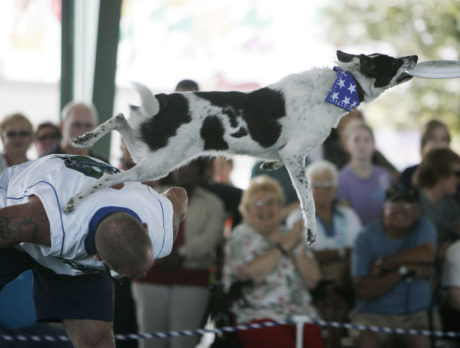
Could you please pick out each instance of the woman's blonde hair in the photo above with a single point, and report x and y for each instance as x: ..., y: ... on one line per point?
x: 7, y: 120
x: 261, y: 183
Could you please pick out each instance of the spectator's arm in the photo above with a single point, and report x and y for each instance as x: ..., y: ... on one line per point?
x: 422, y: 254
x: 308, y: 269
x: 24, y: 223
x: 259, y: 268
x: 372, y: 286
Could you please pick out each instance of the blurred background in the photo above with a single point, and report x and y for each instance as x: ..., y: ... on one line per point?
x: 54, y: 51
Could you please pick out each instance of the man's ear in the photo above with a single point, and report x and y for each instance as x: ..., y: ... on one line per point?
x: 97, y: 257
x: 344, y: 57
x: 146, y: 226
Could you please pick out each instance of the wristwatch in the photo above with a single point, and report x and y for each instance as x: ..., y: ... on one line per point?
x: 403, y: 270
x: 281, y: 249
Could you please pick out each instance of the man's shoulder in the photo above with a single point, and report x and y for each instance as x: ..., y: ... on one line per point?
x: 371, y: 230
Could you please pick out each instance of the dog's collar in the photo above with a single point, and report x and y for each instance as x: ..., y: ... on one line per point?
x: 345, y: 93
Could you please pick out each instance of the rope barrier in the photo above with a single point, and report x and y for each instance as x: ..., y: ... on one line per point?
x: 225, y: 329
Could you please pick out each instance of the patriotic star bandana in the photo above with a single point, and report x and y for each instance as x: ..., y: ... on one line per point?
x: 344, y: 92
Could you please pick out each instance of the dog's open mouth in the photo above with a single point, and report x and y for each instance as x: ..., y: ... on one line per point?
x: 403, y: 78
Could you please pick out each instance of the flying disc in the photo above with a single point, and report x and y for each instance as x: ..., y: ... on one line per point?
x: 436, y: 69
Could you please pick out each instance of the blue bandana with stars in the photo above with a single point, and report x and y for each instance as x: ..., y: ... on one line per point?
x: 344, y: 92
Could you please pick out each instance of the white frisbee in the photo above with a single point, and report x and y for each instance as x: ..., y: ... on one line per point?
x: 436, y: 69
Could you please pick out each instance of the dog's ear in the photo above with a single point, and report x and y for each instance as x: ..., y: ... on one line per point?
x: 344, y: 57
x: 368, y: 65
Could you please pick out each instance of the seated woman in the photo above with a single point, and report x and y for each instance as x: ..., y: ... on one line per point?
x: 278, y: 263
x: 338, y: 226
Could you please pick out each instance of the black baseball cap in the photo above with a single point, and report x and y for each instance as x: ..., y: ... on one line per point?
x: 402, y: 192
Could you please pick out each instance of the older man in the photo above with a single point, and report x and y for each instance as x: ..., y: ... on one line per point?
x: 392, y: 264
x: 123, y: 228
x: 76, y: 119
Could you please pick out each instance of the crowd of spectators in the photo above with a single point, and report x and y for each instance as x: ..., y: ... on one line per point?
x: 387, y: 251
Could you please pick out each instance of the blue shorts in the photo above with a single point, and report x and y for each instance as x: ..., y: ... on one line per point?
x: 58, y: 296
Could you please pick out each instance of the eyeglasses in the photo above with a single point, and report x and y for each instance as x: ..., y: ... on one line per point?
x: 268, y: 203
x: 14, y: 134
x: 324, y: 184
x: 45, y: 137
x: 456, y: 173
x: 78, y: 124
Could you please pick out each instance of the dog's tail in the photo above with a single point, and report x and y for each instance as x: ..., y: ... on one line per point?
x: 149, y: 102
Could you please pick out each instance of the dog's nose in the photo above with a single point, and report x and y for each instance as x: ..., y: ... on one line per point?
x: 412, y: 59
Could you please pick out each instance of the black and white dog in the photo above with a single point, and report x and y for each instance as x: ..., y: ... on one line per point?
x: 280, y: 123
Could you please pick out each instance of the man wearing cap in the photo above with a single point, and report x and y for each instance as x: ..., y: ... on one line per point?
x: 392, y: 264
x: 121, y: 229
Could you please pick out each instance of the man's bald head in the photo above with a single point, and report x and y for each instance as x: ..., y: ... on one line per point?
x: 124, y: 245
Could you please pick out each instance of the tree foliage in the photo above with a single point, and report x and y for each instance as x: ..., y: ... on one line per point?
x: 428, y: 28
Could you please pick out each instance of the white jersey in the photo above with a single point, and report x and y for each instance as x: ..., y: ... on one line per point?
x: 56, y: 178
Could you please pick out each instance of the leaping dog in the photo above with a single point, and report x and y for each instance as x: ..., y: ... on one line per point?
x: 280, y: 123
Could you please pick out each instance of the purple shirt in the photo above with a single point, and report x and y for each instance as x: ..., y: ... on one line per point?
x: 365, y: 196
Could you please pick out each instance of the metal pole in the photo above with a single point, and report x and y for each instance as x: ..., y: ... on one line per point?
x: 300, y: 321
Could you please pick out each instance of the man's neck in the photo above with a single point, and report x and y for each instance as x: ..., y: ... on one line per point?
x: 395, y: 232
x: 15, y: 159
x: 324, y: 212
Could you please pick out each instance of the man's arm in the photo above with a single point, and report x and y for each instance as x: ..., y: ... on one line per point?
x: 24, y: 223
x: 420, y: 254
x: 373, y: 286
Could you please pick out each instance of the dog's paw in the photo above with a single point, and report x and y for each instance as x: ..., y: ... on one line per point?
x: 84, y: 140
x: 311, y: 236
x: 70, y: 206
x: 267, y: 166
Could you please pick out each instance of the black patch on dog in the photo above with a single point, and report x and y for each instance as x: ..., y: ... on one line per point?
x: 232, y: 116
x: 260, y: 109
x: 240, y: 133
x: 174, y: 112
x: 212, y: 133
x: 381, y: 67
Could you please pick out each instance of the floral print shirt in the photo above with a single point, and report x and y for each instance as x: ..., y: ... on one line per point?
x: 282, y: 294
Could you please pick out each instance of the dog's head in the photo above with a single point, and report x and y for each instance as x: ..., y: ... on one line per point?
x: 376, y: 72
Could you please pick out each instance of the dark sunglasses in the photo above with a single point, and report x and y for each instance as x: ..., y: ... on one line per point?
x: 13, y: 134
x: 45, y: 137
x: 456, y: 173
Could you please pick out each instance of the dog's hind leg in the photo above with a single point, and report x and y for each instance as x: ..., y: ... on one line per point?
x: 137, y: 173
x: 296, y: 169
x: 117, y: 122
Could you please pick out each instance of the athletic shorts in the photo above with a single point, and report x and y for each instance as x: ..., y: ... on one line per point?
x: 58, y: 296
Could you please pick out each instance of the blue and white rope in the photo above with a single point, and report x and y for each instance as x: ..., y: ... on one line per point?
x: 124, y: 337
